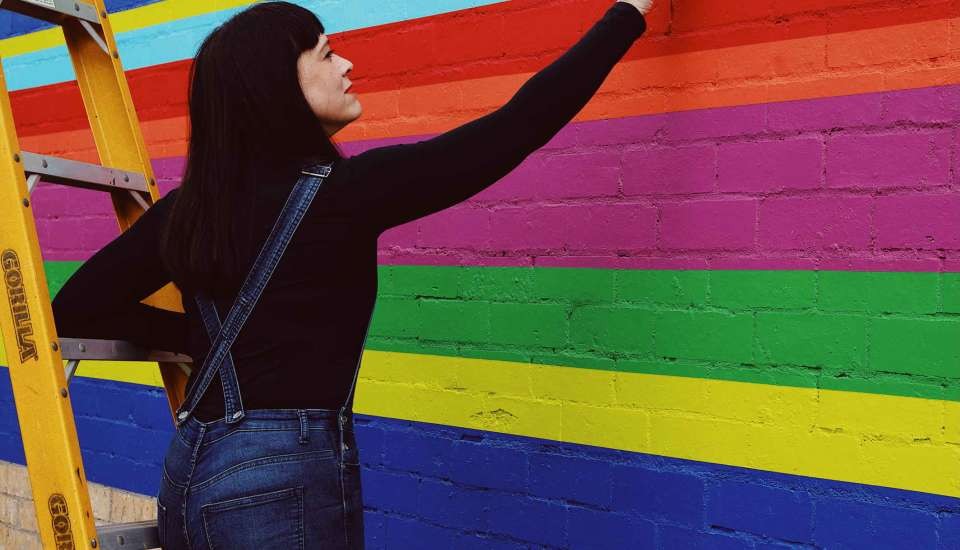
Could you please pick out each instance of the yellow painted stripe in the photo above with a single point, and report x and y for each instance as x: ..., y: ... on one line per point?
x: 891, y: 441
x: 900, y: 442
x: 147, y: 374
x: 127, y: 20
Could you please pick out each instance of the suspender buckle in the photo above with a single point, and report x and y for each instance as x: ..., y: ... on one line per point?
x: 235, y: 417
x: 325, y: 171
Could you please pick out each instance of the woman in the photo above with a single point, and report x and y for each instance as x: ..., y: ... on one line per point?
x: 274, y: 232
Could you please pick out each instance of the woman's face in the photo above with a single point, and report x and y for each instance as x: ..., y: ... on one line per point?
x: 322, y: 75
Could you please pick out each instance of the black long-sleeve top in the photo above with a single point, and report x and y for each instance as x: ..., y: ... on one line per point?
x: 301, y: 343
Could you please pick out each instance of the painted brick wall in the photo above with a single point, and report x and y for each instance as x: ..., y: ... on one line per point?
x: 719, y: 310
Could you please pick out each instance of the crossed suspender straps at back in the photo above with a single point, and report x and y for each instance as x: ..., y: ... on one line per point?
x: 219, y: 359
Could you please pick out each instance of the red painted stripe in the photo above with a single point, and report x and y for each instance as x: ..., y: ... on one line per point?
x: 495, y: 41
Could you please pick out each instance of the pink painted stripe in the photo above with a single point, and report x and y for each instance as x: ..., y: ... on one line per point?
x: 867, y: 183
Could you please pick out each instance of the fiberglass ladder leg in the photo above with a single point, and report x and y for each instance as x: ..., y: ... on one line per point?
x: 34, y: 352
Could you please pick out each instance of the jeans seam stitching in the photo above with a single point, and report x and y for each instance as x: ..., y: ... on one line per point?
x: 264, y: 461
x: 186, y: 493
x: 248, y: 430
x: 166, y: 476
x: 300, y: 528
x: 279, y: 494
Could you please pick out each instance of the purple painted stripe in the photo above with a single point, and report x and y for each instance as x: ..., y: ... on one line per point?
x: 866, y: 182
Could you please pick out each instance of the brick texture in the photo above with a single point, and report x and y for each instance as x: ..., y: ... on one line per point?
x: 18, y: 522
x: 778, y: 135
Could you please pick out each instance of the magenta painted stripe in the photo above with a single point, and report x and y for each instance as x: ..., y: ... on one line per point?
x: 867, y: 182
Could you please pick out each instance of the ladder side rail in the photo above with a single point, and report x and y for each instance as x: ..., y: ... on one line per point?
x: 47, y: 428
x: 119, y: 140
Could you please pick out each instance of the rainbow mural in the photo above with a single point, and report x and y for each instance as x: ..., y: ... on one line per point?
x: 721, y: 309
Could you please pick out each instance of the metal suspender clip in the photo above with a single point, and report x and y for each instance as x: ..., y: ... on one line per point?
x: 326, y: 172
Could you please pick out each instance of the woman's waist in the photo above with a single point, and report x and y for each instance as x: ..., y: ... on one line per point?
x: 267, y: 420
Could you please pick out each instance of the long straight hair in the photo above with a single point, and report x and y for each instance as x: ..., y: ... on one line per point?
x: 250, y: 125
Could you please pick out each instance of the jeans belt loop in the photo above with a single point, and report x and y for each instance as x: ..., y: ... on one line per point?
x: 304, y: 426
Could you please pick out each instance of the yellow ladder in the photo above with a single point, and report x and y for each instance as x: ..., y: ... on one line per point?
x: 35, y: 354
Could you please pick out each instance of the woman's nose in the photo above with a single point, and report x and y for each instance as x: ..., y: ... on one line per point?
x: 348, y: 67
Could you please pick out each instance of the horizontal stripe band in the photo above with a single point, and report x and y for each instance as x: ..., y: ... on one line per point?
x: 124, y: 20
x: 451, y: 480
x: 880, y: 333
x: 887, y: 441
x: 787, y: 430
x: 13, y: 24
x: 436, y: 100
x: 776, y: 51
x: 164, y: 42
x: 888, y: 333
x: 796, y: 190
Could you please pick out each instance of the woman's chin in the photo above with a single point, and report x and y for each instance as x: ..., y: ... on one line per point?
x: 357, y: 109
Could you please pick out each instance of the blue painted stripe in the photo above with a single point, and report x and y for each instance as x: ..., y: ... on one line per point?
x: 180, y: 39
x: 443, y: 487
x: 14, y: 24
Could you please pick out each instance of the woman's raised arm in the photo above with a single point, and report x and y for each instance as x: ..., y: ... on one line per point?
x: 396, y: 184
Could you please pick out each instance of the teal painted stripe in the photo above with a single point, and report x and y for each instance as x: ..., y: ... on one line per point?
x: 180, y: 39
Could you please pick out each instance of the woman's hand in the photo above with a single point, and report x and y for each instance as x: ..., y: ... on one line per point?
x: 643, y: 5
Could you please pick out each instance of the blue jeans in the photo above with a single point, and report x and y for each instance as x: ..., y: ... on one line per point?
x: 278, y: 479
x: 260, y: 479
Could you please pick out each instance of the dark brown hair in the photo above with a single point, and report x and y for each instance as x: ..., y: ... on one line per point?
x: 249, y: 125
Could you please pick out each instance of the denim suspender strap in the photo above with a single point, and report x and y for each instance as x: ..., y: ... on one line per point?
x: 232, y: 402
x: 347, y: 407
x: 217, y: 358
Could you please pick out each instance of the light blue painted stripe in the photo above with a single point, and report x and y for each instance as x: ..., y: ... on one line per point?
x: 180, y: 39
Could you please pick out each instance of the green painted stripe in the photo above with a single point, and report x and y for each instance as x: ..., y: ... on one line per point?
x: 884, y: 333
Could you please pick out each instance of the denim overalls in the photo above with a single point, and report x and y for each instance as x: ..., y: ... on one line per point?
x: 282, y: 479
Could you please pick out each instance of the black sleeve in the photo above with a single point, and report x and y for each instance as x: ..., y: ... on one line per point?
x: 102, y: 299
x: 396, y: 184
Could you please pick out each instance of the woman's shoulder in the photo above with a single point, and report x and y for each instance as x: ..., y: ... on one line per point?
x: 170, y: 196
x: 157, y: 214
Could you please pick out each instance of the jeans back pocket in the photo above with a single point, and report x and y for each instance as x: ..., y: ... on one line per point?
x: 265, y: 521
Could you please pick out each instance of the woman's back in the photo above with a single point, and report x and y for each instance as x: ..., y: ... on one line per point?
x: 303, y: 339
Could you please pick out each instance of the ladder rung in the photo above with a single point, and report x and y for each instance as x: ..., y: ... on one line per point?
x: 53, y: 11
x: 141, y: 535
x: 115, y: 350
x: 82, y: 174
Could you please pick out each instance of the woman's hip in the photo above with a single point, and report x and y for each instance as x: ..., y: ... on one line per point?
x: 277, y: 479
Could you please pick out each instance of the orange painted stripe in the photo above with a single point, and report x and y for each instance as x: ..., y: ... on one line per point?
x: 639, y: 87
